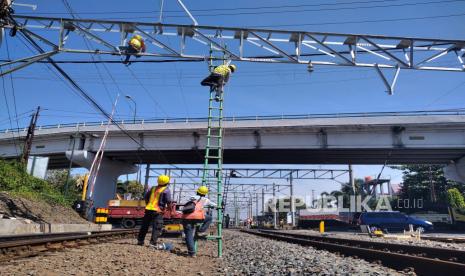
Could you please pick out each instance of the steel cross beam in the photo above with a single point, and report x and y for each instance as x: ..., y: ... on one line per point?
x: 262, y: 173
x: 265, y: 45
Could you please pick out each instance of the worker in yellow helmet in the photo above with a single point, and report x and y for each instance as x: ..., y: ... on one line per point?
x: 218, y: 78
x: 199, y: 214
x: 156, y: 200
x: 136, y: 45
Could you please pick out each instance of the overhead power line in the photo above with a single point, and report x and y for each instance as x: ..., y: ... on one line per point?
x: 338, y: 4
x: 361, y: 21
x: 260, y: 12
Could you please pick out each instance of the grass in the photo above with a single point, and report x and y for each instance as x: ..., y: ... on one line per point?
x: 15, y: 180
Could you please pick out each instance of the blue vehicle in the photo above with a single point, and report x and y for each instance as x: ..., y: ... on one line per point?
x: 393, y: 221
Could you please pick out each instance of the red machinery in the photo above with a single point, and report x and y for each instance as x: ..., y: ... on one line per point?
x: 128, y: 213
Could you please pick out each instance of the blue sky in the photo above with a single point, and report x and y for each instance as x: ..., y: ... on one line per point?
x: 256, y: 89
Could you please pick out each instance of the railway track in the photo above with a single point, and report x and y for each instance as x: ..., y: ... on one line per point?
x: 19, y: 246
x: 423, y: 260
x: 444, y: 239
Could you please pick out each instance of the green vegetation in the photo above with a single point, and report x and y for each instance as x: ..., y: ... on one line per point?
x: 427, y: 182
x: 455, y: 198
x: 15, y: 180
x: 132, y: 186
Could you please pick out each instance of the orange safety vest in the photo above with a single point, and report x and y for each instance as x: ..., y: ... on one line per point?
x: 198, y: 214
x: 155, y: 194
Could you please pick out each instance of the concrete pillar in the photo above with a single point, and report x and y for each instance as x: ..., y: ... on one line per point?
x: 105, y: 184
x: 292, y: 200
x: 456, y: 171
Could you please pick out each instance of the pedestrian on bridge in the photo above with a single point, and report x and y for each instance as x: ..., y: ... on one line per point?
x: 156, y: 200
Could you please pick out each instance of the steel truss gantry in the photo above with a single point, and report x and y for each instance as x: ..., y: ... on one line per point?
x: 262, y: 173
x: 246, y: 183
x: 192, y: 43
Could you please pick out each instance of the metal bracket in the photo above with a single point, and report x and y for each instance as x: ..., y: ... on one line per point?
x: 188, y: 12
x: 27, y: 61
x: 389, y: 86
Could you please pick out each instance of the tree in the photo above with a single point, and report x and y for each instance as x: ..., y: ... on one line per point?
x: 358, y: 183
x: 426, y: 182
x: 57, y: 179
x: 455, y: 198
x: 133, y: 187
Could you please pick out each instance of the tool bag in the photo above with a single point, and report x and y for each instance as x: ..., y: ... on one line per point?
x: 195, y: 211
x: 189, y: 207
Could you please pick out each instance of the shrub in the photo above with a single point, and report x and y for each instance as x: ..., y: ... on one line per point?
x: 15, y: 180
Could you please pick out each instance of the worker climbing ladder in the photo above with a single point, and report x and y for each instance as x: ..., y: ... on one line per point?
x: 213, y: 164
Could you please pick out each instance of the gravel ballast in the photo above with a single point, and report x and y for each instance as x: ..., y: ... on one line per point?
x: 354, y: 236
x: 121, y: 257
x: 245, y: 254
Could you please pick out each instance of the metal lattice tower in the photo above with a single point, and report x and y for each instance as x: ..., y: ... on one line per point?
x: 213, y: 164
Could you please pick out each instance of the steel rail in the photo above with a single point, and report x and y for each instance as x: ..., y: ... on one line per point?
x: 397, y: 256
x: 32, y: 245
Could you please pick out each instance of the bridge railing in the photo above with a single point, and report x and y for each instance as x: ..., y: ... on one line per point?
x: 247, y: 118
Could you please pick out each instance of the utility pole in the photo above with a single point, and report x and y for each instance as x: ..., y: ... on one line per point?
x: 147, y: 175
x: 174, y: 188
x: 71, y: 161
x: 313, y: 198
x: 352, y: 184
x: 256, y: 207
x: 292, y: 200
x: 29, y: 137
x: 431, y: 184
x: 274, y: 206
x: 236, y: 211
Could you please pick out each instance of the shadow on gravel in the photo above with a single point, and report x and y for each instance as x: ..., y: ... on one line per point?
x: 14, y: 210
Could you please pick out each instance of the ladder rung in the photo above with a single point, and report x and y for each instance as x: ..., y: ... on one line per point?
x: 213, y: 157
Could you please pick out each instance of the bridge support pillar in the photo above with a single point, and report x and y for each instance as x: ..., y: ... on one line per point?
x: 456, y: 171
x: 105, y: 184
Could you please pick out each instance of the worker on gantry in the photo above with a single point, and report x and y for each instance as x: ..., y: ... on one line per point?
x: 218, y: 78
x: 136, y: 45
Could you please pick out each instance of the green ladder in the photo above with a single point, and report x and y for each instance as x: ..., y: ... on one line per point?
x: 213, y: 164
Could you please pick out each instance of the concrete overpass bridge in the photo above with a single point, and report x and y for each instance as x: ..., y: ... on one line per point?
x: 405, y: 138
x: 398, y: 138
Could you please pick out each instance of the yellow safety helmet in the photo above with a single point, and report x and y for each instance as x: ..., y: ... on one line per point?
x: 232, y: 67
x: 163, y: 180
x: 138, y: 37
x: 135, y: 43
x: 202, y: 190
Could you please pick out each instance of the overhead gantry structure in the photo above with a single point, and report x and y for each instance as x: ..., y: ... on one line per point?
x: 243, y: 186
x: 193, y: 42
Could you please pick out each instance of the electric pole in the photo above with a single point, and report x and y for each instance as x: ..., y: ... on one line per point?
x: 29, y: 137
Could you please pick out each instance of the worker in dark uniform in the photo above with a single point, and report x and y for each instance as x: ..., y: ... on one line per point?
x: 226, y: 220
x: 155, y: 202
x: 218, y: 78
